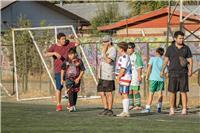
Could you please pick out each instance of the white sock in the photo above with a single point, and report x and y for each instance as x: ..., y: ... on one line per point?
x: 159, y: 105
x: 125, y: 105
x: 147, y: 106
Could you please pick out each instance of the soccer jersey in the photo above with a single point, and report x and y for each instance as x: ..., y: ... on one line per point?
x: 124, y: 63
x: 136, y: 63
x: 62, y: 51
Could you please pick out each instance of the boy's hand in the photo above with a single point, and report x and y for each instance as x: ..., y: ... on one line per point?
x: 189, y: 73
x: 57, y: 55
x: 161, y: 74
x: 139, y: 78
x: 117, y: 79
x: 62, y: 82
x: 77, y: 80
x: 147, y: 78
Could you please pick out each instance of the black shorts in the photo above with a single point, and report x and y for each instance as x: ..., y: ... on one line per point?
x: 178, y: 82
x: 106, y: 85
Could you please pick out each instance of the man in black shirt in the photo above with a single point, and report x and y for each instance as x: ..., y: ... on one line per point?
x: 179, y: 57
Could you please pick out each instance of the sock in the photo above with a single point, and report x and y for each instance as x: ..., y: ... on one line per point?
x: 159, y: 105
x: 147, y: 106
x: 137, y: 99
x: 130, y: 96
x: 125, y: 105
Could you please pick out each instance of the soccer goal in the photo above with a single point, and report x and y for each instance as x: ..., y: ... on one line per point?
x: 33, y: 73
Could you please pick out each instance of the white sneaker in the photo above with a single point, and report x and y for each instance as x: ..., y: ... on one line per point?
x: 145, y: 111
x: 123, y: 114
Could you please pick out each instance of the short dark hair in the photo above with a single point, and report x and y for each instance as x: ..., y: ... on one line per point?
x: 72, y: 51
x: 177, y: 33
x: 131, y: 45
x: 160, y: 51
x: 123, y: 45
x: 59, y: 35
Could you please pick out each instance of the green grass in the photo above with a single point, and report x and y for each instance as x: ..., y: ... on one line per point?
x: 33, y: 118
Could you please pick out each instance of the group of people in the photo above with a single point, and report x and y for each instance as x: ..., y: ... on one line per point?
x: 123, y: 64
x: 127, y: 72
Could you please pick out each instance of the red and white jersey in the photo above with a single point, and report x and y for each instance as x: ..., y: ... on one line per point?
x: 124, y: 63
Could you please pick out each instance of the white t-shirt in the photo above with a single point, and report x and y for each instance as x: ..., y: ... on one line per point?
x: 107, y: 70
x: 124, y: 62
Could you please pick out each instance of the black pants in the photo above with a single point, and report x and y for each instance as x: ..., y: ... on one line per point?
x: 72, y: 98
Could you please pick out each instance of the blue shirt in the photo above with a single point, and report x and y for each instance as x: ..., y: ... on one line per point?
x: 156, y: 67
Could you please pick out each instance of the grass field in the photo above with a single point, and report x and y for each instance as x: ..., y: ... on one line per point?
x: 42, y: 118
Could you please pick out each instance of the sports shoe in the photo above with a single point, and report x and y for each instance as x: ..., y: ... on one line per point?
x: 145, y: 111
x: 58, y: 107
x: 103, y: 112
x: 159, y: 110
x: 137, y: 108
x: 123, y: 114
x: 109, y: 113
x: 184, y: 112
x: 131, y: 107
x: 72, y: 109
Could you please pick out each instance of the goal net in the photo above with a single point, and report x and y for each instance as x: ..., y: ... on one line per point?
x: 33, y: 73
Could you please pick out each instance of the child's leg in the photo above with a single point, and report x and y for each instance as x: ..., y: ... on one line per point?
x: 103, y: 98
x: 75, y: 96
x: 150, y: 99
x: 58, y: 97
x: 130, y: 96
x: 109, y: 98
x: 125, y: 102
x: 71, y: 98
x: 137, y: 101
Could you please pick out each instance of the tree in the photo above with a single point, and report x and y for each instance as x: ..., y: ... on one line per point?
x: 106, y: 14
x: 139, y: 7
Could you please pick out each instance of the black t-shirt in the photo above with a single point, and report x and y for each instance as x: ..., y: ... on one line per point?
x: 173, y: 54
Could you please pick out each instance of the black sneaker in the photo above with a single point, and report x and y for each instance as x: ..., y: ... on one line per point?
x: 103, y: 112
x: 109, y: 113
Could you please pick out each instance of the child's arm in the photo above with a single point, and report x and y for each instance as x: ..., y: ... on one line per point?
x: 121, y: 73
x: 62, y: 77
x: 77, y: 80
x: 148, y: 71
x: 139, y: 70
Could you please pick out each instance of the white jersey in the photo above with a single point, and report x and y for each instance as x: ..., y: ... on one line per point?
x: 124, y: 62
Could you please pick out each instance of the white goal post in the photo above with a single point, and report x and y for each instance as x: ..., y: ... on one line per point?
x: 41, y: 57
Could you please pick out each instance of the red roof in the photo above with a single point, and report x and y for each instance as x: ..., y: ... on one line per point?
x: 146, y: 17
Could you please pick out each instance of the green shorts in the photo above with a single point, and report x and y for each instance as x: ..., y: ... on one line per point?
x: 134, y: 88
x: 155, y: 86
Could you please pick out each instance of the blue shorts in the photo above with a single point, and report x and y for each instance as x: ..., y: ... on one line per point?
x: 57, y: 77
x: 123, y: 89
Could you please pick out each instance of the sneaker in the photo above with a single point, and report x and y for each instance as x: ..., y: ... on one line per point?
x: 59, y: 108
x: 103, y: 112
x: 130, y: 107
x: 109, y: 113
x: 137, y: 108
x: 123, y: 114
x: 145, y: 111
x: 159, y: 110
x: 184, y: 112
x: 72, y: 109
x: 171, y: 112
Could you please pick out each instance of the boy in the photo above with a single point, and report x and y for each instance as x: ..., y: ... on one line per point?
x: 73, y: 70
x: 137, y: 65
x: 156, y: 83
x: 59, y: 51
x: 123, y: 77
x: 106, y: 83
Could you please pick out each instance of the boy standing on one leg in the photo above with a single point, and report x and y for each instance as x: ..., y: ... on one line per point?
x: 156, y: 83
x: 137, y: 65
